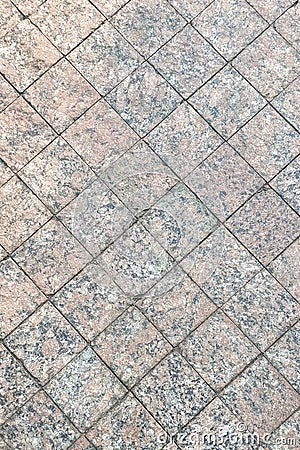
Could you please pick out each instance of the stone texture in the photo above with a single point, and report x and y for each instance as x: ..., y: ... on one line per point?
x: 7, y: 93
x: 9, y: 17
x: 288, y: 26
x: 287, y: 103
x: 287, y: 184
x: 271, y: 10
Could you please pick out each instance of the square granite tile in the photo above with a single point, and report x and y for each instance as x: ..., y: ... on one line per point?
x: 25, y: 54
x: 269, y: 64
x: 272, y: 9
x: 96, y: 217
x: 261, y: 397
x: 22, y: 214
x: 91, y: 301
x: 39, y: 424
x: 148, y: 24
x: 179, y: 221
x: 176, y: 305
x: 136, y: 261
x: 100, y: 136
x: 267, y: 142
x: 210, y: 429
x: 9, y: 17
x: 105, y: 58
x: 288, y: 26
x: 173, y: 392
x: 286, y: 268
x: 187, y: 61
x: 220, y: 266
x: 284, y: 355
x: 23, y: 134
x: 230, y: 25
x: 57, y: 175
x: 143, y: 99
x: 66, y: 23
x: 263, y: 310
x: 7, y: 93
x: 131, y: 346
x: 85, y: 389
x: 224, y: 181
x: 3, y: 445
x: 109, y: 7
x: 19, y: 297
x: 287, y: 103
x: 287, y: 435
x: 3, y: 253
x: 51, y: 257
x: 183, y: 140
x: 5, y: 173
x: 128, y: 426
x: 218, y: 350
x: 139, y: 178
x: 287, y: 184
x: 189, y: 8
x: 16, y: 385
x: 45, y: 342
x: 266, y: 225
x: 82, y: 444
x: 61, y: 95
x: 227, y: 101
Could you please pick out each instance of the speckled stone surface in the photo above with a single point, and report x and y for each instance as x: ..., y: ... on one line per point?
x: 229, y: 25
x: 259, y: 222
x: 224, y: 181
x: 277, y: 64
x: 227, y: 101
x: 187, y: 61
x: 149, y: 225
x: 267, y: 142
x: 85, y: 389
x: 130, y: 346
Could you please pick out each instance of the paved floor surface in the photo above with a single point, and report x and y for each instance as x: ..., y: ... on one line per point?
x: 150, y: 221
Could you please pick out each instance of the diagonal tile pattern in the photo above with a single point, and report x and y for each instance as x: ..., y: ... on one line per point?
x: 150, y: 224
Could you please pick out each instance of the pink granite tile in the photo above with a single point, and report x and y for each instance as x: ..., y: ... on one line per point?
x: 265, y: 224
x: 187, y: 61
x: 90, y: 301
x: 61, y: 95
x: 287, y: 435
x: 66, y: 23
x: 128, y: 426
x: 272, y: 9
x: 269, y: 64
x: 22, y: 213
x: 23, y: 134
x: 190, y: 8
x: 16, y: 384
x: 7, y: 93
x: 5, y: 173
x: 100, y: 136
x: 218, y: 350
x: 105, y: 58
x: 179, y: 221
x: 287, y: 184
x: 28, y: 6
x: 139, y: 178
x: 25, y: 54
x: 288, y: 26
x: 227, y: 101
x: 173, y: 392
x: 176, y: 305
x: 286, y: 268
x: 224, y: 181
x: 287, y: 103
x: 19, y: 297
x: 143, y: 99
x: 96, y: 217
x: 183, y: 140
x: 51, y: 257
x: 45, y: 342
x: 109, y: 7
x: 230, y: 25
x: 85, y: 389
x: 261, y: 397
x: 57, y: 175
x: 39, y: 424
x: 82, y: 444
x: 263, y: 310
x: 9, y: 17
x: 148, y: 24
x: 220, y: 266
x: 267, y: 142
